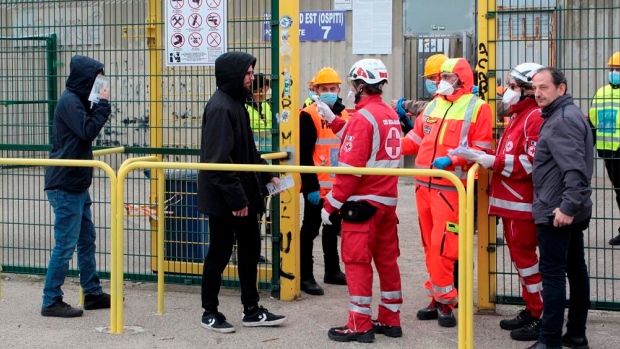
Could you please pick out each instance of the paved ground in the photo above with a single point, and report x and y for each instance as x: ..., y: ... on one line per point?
x: 22, y: 326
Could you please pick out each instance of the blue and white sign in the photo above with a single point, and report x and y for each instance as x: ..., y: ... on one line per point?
x: 322, y: 25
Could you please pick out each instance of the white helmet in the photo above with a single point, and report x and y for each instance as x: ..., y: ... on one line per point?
x: 369, y: 70
x: 525, y: 71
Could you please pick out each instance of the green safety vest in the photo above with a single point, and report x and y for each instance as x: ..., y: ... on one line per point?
x: 604, y: 116
x: 261, y: 126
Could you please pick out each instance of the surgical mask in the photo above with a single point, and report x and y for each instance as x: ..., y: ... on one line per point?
x: 614, y: 78
x: 431, y: 86
x: 351, y: 97
x: 445, y: 88
x: 311, y: 94
x: 475, y: 90
x: 511, y: 97
x: 268, y: 94
x: 329, y: 98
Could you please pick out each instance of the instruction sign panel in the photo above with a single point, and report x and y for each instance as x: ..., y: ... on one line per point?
x: 372, y: 27
x: 322, y: 25
x: 195, y: 32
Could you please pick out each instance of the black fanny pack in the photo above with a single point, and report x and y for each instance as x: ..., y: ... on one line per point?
x: 357, y: 211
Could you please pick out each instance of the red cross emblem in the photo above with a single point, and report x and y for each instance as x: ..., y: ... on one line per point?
x: 392, y: 144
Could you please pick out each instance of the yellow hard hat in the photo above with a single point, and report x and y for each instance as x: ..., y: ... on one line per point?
x: 614, y: 60
x: 433, y: 64
x: 311, y: 82
x: 327, y: 75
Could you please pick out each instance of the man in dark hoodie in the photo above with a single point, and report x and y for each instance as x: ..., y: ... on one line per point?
x: 562, y: 209
x: 233, y: 200
x: 76, y: 125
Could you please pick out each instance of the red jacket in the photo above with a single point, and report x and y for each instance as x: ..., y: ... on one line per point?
x: 511, y: 192
x: 370, y: 138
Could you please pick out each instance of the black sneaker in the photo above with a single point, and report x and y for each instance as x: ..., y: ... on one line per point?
x: 216, y: 322
x: 97, y: 301
x: 390, y: 331
x: 445, y: 316
x: 575, y: 342
x: 428, y: 313
x: 528, y: 332
x: 344, y: 334
x: 519, y: 321
x: 263, y: 318
x: 61, y: 309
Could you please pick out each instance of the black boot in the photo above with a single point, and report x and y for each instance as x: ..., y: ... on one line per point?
x: 335, y: 278
x: 445, y: 316
x: 311, y: 287
x: 428, y: 313
x: 529, y: 332
x: 519, y: 321
x: 615, y: 241
x: 575, y: 342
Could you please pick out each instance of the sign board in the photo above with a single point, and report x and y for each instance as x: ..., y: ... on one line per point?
x: 342, y: 5
x: 267, y: 26
x: 322, y: 25
x: 372, y: 27
x: 195, y: 32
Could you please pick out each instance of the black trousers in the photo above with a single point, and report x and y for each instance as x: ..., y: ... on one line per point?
x: 309, y: 230
x: 612, y: 165
x: 222, y: 233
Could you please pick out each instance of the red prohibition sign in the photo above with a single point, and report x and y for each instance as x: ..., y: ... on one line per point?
x: 214, y: 39
x: 213, y: 3
x: 213, y: 20
x: 177, y: 40
x: 177, y: 21
x: 195, y: 4
x: 195, y: 20
x: 195, y: 39
x: 177, y: 4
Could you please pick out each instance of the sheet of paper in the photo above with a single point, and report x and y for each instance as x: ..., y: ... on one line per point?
x: 285, y: 183
x: 465, y: 153
x: 101, y: 82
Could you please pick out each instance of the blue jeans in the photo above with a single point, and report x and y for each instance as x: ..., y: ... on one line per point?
x: 73, y: 226
x: 561, y: 256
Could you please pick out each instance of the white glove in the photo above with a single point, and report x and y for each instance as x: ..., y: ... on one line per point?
x: 485, y: 160
x: 325, y: 217
x: 324, y: 110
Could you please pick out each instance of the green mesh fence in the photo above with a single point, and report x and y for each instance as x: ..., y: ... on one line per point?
x: 37, y: 41
x: 578, y: 37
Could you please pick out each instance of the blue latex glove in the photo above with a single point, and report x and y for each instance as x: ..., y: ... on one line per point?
x: 314, y: 198
x: 442, y: 162
x: 402, y: 114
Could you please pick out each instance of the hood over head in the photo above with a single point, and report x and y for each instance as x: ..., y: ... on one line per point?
x: 82, y: 75
x: 230, y: 70
x: 461, y: 68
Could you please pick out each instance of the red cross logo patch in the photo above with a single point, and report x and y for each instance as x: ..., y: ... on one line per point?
x: 392, y: 143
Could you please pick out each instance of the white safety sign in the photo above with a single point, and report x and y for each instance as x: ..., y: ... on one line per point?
x: 195, y: 32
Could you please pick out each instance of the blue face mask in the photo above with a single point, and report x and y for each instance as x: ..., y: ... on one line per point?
x: 614, y: 78
x: 329, y: 98
x: 431, y: 86
x: 311, y: 93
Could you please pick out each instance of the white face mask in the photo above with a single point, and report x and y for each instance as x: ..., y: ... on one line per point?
x: 351, y: 97
x: 511, y: 97
x: 445, y: 88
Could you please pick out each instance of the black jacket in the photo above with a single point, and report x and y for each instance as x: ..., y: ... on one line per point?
x: 307, y: 140
x: 76, y: 126
x: 563, y: 163
x: 227, y: 138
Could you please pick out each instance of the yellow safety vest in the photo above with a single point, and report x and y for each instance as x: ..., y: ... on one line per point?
x: 261, y: 126
x: 604, y: 116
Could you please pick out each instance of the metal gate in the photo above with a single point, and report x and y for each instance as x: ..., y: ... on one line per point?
x: 156, y: 109
x: 578, y: 37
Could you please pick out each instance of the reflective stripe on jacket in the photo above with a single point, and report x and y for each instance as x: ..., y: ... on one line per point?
x: 604, y: 116
x: 261, y: 125
x: 326, y: 148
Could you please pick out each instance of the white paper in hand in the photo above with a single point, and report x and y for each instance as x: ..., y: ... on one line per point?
x: 285, y: 183
x: 465, y: 153
x: 101, y: 82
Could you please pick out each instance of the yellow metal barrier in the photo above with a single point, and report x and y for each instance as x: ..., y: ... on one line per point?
x: 465, y: 236
x: 108, y: 151
x: 275, y: 156
x: 75, y: 163
x: 468, y: 280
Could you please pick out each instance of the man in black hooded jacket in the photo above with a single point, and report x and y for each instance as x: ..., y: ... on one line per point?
x: 77, y: 123
x: 233, y: 200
